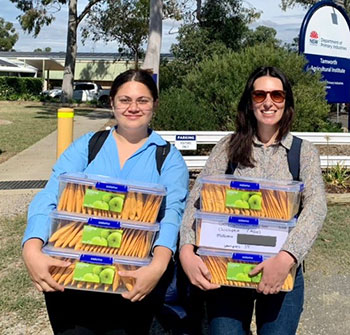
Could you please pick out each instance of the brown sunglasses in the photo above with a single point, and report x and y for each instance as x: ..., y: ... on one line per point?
x: 276, y: 95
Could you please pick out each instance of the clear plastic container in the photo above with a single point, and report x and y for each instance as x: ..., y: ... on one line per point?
x: 229, y: 268
x: 230, y: 232
x: 108, y: 197
x: 270, y: 199
x: 101, y: 235
x: 96, y: 273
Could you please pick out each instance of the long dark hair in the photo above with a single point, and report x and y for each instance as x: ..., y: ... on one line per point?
x: 141, y: 76
x: 240, y: 144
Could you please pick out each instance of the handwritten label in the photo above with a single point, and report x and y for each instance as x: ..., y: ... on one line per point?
x: 269, y: 240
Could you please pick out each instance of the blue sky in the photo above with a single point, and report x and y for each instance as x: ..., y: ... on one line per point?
x: 287, y: 25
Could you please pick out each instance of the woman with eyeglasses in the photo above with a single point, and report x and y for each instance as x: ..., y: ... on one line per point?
x: 258, y: 149
x: 128, y: 153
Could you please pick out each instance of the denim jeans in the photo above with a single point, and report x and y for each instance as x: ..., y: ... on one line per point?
x: 230, y: 310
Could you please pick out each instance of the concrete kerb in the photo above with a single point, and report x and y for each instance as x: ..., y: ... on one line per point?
x: 338, y: 198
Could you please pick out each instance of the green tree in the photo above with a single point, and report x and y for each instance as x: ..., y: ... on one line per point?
x: 47, y: 49
x: 125, y: 22
x: 179, y: 110
x: 227, y: 21
x: 218, y: 83
x: 8, y: 35
x: 194, y: 45
x: 294, y: 45
x: 261, y: 34
x: 222, y: 25
x: 38, y: 13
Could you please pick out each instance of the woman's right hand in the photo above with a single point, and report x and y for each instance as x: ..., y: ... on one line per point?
x: 38, y: 265
x: 195, y: 269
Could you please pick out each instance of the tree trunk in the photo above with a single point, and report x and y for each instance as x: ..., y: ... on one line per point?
x: 71, y: 53
x: 198, y: 10
x: 152, y: 57
x: 136, y: 59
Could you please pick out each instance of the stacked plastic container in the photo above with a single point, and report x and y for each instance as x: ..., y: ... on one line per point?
x: 242, y: 222
x: 102, y: 225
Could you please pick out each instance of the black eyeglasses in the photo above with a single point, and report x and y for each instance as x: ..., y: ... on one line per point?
x: 276, y: 95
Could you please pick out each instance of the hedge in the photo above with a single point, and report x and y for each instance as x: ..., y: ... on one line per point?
x: 17, y: 88
x: 217, y: 83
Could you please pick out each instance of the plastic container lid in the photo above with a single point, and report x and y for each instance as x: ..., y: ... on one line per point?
x: 100, y: 257
x: 248, y: 183
x: 112, y: 184
x: 94, y: 220
x: 252, y: 257
x: 244, y: 221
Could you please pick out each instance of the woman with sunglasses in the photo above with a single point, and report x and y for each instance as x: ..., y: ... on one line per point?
x: 128, y: 153
x: 258, y: 149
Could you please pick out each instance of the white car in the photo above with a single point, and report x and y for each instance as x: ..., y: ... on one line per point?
x: 87, y: 91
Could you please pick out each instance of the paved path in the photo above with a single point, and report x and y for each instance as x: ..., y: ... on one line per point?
x: 35, y: 163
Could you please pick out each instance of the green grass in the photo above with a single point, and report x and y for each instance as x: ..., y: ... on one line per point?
x: 331, y: 251
x: 10, y: 239
x: 30, y: 122
x: 17, y: 295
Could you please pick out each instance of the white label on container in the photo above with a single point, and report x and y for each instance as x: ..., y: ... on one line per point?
x: 239, y: 238
x: 186, y: 142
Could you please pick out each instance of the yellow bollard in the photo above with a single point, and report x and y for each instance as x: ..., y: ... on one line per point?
x: 65, y: 117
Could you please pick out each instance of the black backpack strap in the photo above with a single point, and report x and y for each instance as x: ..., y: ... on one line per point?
x: 161, y: 153
x: 95, y: 143
x: 293, y: 156
x: 97, y: 140
x: 231, y: 167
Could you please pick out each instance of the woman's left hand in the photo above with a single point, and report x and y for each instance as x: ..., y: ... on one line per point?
x: 274, y: 272
x: 147, y: 277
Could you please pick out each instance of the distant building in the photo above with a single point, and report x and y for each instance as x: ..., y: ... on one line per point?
x: 100, y: 68
x: 15, y: 68
x: 97, y: 67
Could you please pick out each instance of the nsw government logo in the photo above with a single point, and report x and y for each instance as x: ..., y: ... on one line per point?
x: 313, y: 38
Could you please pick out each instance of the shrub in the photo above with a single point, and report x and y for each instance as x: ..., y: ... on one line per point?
x: 16, y: 88
x: 337, y: 175
x: 179, y: 110
x: 218, y: 83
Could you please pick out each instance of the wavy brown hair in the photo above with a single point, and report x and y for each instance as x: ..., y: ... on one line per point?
x: 240, y: 144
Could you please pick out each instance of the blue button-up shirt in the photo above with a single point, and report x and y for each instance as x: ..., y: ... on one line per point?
x: 141, y: 166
